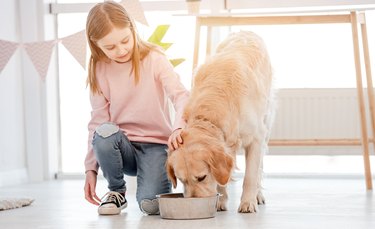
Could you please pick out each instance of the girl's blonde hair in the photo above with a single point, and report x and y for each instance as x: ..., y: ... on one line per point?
x: 102, y: 18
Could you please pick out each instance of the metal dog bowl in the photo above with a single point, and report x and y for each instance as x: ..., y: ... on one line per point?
x: 175, y: 206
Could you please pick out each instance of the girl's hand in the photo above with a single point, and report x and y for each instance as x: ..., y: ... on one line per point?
x: 90, y: 185
x: 175, y: 140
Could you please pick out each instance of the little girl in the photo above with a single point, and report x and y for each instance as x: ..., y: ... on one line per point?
x: 130, y: 82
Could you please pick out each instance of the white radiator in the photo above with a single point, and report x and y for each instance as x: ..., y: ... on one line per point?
x: 317, y: 114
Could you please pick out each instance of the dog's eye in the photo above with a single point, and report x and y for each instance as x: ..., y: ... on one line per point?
x: 201, y: 178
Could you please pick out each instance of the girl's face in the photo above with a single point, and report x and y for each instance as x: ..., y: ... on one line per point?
x: 118, y: 44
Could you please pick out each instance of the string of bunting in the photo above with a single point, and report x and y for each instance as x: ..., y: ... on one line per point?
x: 40, y: 52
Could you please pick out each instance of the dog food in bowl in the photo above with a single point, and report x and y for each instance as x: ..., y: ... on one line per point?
x: 175, y: 206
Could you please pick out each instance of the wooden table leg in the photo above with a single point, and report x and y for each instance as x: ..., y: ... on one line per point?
x: 208, y: 42
x: 196, y: 43
x: 370, y: 87
x: 361, y: 103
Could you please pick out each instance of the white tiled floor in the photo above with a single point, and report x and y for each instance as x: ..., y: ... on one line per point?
x: 291, y: 203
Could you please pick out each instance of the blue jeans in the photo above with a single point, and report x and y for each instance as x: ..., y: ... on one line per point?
x: 117, y: 156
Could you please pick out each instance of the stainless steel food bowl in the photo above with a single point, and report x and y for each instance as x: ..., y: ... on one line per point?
x: 175, y: 206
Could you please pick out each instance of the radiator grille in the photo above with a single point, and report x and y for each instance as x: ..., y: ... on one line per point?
x: 317, y: 114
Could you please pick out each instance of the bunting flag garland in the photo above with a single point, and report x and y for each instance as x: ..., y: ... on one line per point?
x: 7, y: 49
x: 40, y: 52
x: 76, y: 45
x: 40, y: 55
x: 134, y: 8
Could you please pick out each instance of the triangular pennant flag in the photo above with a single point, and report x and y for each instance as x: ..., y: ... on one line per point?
x: 7, y: 49
x: 40, y: 55
x: 134, y: 8
x: 76, y: 45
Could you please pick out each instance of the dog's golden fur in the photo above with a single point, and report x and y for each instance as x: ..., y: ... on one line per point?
x: 229, y: 110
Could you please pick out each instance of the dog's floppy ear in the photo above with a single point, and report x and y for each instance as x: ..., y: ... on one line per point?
x: 170, y: 173
x: 221, y: 164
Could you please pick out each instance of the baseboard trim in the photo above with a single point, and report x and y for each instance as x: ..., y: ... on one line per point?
x: 13, y: 177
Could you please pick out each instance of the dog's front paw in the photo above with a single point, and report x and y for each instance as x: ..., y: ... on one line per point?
x: 248, y: 207
x: 260, y: 198
x: 221, y: 205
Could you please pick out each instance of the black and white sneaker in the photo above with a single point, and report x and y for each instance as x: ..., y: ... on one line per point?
x: 113, y: 203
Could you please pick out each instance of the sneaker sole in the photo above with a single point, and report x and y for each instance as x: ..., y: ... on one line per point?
x: 111, y: 211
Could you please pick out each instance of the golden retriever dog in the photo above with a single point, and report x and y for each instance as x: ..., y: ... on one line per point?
x: 229, y: 110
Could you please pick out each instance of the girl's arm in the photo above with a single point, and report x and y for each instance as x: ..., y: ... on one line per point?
x: 99, y: 115
x: 175, y: 90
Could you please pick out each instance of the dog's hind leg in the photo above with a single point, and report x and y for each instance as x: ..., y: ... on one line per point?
x: 268, y: 120
x: 260, y: 196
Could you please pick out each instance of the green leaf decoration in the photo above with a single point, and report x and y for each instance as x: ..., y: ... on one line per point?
x: 157, y: 37
x: 176, y: 62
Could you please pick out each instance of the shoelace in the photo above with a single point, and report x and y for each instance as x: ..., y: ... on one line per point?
x: 113, y: 196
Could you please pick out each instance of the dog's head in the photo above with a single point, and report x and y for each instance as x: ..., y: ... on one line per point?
x: 201, y: 162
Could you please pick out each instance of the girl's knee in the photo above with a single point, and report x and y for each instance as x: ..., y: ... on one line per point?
x: 105, y: 137
x: 107, y: 129
x: 147, y: 199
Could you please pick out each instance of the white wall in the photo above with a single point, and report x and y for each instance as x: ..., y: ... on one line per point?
x: 12, y: 136
x: 24, y: 155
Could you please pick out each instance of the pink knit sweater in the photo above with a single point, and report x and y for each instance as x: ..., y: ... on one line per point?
x: 141, y: 111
